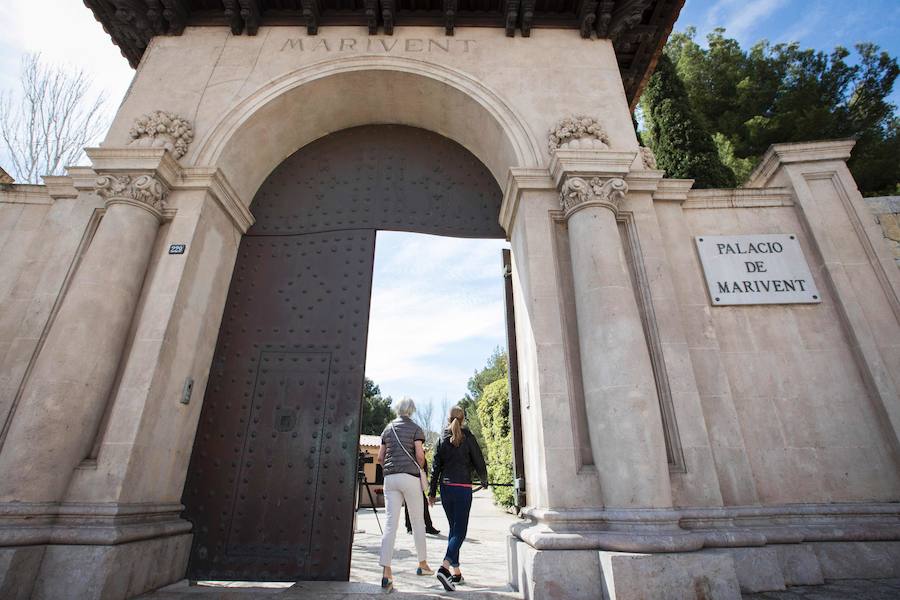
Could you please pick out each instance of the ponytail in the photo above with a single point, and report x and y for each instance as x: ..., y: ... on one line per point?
x: 457, y: 416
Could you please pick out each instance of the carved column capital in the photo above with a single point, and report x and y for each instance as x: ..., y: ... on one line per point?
x: 144, y: 190
x: 578, y: 192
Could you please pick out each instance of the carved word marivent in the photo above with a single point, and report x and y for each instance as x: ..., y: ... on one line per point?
x: 145, y: 189
x: 162, y: 129
x: 577, y: 191
x: 578, y: 132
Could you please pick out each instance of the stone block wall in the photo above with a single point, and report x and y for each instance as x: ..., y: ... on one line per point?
x: 789, y: 415
x: 887, y: 214
x: 41, y: 231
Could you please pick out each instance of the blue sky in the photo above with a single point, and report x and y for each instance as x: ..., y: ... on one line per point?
x: 437, y: 304
x: 437, y: 314
x: 820, y: 24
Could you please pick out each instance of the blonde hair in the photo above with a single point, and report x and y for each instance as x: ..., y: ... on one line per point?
x: 455, y: 425
x: 406, y: 407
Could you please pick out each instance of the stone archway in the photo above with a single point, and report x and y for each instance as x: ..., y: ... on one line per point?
x: 272, y: 478
x: 309, y: 103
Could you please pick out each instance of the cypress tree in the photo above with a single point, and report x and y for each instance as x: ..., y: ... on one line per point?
x: 683, y: 147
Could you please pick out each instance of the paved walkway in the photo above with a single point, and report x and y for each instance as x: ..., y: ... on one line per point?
x: 483, y: 563
x: 483, y: 559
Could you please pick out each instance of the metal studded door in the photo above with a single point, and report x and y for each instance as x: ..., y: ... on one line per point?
x: 271, y: 484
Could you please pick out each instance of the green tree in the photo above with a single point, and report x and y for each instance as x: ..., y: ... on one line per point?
x: 376, y: 410
x: 497, y: 367
x: 493, y: 410
x: 683, y: 146
x: 771, y: 93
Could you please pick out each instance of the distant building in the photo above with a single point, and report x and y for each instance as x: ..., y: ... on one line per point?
x: 370, y: 444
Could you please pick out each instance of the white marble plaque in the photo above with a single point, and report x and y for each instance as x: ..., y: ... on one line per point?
x: 756, y: 269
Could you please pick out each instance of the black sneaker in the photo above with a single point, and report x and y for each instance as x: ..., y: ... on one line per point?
x: 457, y: 579
x: 432, y: 531
x: 446, y: 579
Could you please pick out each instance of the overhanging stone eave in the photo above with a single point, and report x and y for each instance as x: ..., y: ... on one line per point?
x: 638, y: 29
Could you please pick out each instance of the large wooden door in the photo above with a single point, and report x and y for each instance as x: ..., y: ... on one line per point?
x: 271, y: 483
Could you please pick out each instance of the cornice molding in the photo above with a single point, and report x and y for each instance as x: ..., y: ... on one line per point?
x: 24, y: 193
x: 217, y: 185
x: 673, y: 190
x: 60, y: 186
x: 135, y: 160
x: 518, y: 180
x: 589, y: 163
x: 800, y: 152
x: 157, y: 162
x: 645, y: 181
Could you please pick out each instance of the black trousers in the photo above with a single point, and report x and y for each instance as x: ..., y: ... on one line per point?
x: 428, y: 524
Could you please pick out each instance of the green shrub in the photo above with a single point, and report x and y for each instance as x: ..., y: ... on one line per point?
x: 493, y: 410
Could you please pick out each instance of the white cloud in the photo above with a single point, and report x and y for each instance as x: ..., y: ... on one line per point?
x: 64, y: 32
x: 808, y: 23
x: 714, y: 14
x: 432, y: 298
x: 748, y: 15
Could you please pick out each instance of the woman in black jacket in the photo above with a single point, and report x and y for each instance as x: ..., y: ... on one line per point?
x: 457, y: 454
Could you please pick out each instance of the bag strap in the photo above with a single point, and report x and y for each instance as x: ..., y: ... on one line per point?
x: 404, y: 448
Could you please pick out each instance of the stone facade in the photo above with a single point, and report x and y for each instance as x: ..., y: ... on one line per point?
x: 887, y: 214
x: 668, y: 442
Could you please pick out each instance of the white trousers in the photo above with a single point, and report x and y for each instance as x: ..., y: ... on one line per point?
x: 400, y: 488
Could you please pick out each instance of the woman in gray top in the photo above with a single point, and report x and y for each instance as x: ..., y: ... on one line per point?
x: 402, y: 455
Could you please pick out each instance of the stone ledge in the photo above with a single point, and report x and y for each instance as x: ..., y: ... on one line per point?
x: 25, y: 193
x: 23, y: 524
x: 589, y: 163
x: 781, y: 154
x: 739, y: 198
x: 682, y: 530
x: 518, y: 180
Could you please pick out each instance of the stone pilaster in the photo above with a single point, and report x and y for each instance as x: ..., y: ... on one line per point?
x: 847, y: 254
x: 623, y: 411
x: 65, y: 397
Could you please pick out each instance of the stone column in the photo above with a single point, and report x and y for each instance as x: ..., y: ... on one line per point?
x: 620, y: 393
x: 64, y: 400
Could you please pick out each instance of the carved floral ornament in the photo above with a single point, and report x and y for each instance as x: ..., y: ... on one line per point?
x: 161, y: 129
x: 648, y: 159
x: 145, y: 189
x: 577, y: 191
x: 578, y: 132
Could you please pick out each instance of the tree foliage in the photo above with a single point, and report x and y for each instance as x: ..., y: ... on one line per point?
x: 772, y: 93
x: 497, y: 367
x: 683, y: 146
x: 376, y: 410
x: 45, y: 125
x: 493, y: 409
x: 487, y: 412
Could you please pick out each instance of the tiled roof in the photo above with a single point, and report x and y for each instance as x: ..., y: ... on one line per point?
x: 370, y: 440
